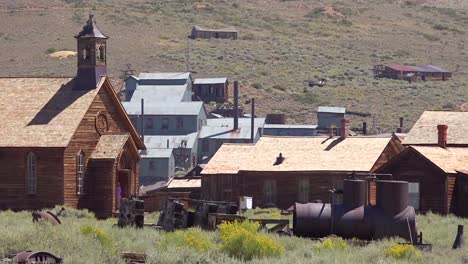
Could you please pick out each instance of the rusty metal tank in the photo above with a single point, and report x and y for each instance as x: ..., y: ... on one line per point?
x: 391, y: 216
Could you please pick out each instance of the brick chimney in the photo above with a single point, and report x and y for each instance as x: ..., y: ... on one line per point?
x: 442, y: 135
x: 344, y: 128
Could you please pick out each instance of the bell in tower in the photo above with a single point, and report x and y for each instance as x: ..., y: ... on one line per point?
x: 91, y: 50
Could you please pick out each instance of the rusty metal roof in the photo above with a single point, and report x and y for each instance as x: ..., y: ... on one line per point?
x: 91, y: 30
x: 300, y: 154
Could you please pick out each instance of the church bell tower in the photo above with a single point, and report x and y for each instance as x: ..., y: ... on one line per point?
x: 91, y: 53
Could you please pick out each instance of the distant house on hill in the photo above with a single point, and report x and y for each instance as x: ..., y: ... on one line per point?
x: 433, y: 163
x: 411, y: 73
x: 207, y: 33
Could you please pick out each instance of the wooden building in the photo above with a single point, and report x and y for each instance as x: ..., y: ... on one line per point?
x: 437, y: 152
x: 67, y: 140
x: 207, y: 33
x: 411, y: 73
x: 279, y: 171
x: 211, y: 89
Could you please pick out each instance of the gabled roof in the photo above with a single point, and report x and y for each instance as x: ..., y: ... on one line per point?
x: 210, y: 80
x: 45, y: 112
x: 300, y: 154
x: 157, y: 94
x: 91, y: 30
x: 109, y: 146
x: 401, y: 67
x: 156, y: 153
x: 450, y: 160
x: 424, y: 131
x: 182, y: 108
x: 331, y: 109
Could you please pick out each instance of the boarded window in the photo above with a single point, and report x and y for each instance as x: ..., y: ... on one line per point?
x: 303, y: 189
x: 149, y: 123
x: 269, y: 191
x: 31, y: 173
x: 205, y: 146
x: 179, y: 123
x: 338, y: 186
x: 165, y: 124
x: 80, y: 173
x: 413, y: 194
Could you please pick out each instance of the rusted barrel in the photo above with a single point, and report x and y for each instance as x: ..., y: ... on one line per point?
x: 392, y: 196
x: 354, y: 193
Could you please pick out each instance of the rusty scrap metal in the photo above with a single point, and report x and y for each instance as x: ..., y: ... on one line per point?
x: 131, y: 213
x: 36, y: 257
x: 134, y: 258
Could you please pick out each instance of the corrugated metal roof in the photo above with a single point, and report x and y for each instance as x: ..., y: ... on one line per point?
x: 226, y: 132
x: 401, y: 67
x: 160, y: 94
x: 209, y: 80
x: 425, y: 132
x: 164, y: 75
x: 300, y: 154
x: 229, y: 122
x: 156, y: 153
x: 183, y: 108
x: 174, y: 141
x: 331, y: 109
x: 285, y: 126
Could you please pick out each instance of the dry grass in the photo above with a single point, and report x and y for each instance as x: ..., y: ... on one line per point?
x: 280, y: 46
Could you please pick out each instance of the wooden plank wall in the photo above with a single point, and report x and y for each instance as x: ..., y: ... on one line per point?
x: 86, y: 138
x: 13, y: 178
x: 414, y: 168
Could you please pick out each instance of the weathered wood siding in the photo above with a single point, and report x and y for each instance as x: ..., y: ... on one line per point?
x: 231, y: 187
x: 13, y: 175
x: 461, y: 194
x: 220, y: 94
x: 85, y: 139
x: 433, y: 185
x: 393, y: 148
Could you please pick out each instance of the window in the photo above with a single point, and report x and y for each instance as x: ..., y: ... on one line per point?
x: 413, y: 195
x: 80, y: 173
x: 165, y: 124
x: 269, y: 191
x: 205, y: 146
x: 212, y: 90
x: 179, y: 123
x: 102, y: 53
x: 86, y: 53
x: 303, y: 191
x: 31, y: 173
x: 149, y: 123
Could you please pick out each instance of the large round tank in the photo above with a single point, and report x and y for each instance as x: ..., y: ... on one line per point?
x: 354, y: 219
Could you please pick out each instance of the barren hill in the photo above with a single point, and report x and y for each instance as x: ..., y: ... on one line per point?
x: 282, y: 44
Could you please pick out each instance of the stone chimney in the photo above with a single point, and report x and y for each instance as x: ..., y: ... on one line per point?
x: 442, y: 135
x: 344, y: 128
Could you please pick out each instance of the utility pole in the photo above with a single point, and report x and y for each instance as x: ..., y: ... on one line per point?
x: 187, y: 55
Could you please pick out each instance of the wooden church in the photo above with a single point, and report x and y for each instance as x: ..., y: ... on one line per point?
x: 67, y: 140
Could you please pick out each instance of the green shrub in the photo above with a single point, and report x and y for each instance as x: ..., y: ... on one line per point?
x: 257, y: 85
x: 332, y: 243
x: 192, y: 238
x: 98, y: 234
x: 243, y: 241
x: 51, y: 50
x: 399, y: 251
x: 315, y: 12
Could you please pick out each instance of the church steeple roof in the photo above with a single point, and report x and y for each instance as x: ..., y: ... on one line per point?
x: 91, y: 30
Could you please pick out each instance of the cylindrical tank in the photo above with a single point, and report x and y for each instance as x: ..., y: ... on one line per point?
x: 392, y: 196
x: 389, y: 218
x: 354, y: 193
